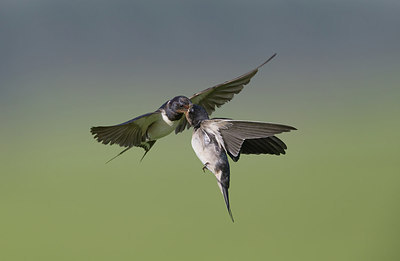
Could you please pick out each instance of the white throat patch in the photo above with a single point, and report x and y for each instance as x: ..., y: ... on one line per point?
x: 165, y: 118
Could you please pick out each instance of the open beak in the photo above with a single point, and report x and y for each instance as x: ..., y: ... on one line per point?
x: 185, y: 109
x: 188, y: 107
x: 186, y: 112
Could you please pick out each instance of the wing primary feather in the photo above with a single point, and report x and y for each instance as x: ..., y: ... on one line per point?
x: 269, y: 59
x: 280, y: 142
x: 210, y: 98
x: 278, y: 148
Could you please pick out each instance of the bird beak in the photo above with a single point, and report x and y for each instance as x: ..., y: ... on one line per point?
x: 188, y: 107
x: 185, y: 109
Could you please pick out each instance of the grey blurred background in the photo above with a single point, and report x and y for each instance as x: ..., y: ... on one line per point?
x: 68, y: 65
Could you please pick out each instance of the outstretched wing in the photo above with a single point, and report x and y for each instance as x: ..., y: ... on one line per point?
x: 269, y: 145
x: 127, y: 134
x: 250, y: 137
x: 220, y: 94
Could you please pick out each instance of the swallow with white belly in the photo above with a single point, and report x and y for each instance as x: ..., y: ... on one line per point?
x: 214, y: 139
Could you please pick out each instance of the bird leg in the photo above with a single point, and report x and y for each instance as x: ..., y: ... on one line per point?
x: 205, y: 166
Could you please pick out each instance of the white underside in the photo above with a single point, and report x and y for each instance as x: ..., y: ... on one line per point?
x: 162, y: 128
x: 204, y: 150
x: 206, y: 153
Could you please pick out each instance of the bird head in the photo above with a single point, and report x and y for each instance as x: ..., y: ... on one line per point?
x: 175, y: 107
x: 195, y: 114
x: 180, y: 104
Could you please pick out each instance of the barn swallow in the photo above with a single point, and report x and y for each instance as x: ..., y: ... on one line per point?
x: 214, y: 139
x: 145, y: 130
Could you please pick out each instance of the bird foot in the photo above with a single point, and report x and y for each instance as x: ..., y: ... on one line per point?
x: 205, y: 167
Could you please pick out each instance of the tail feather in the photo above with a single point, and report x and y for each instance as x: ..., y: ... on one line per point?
x: 146, y: 146
x: 118, y: 154
x: 223, y: 184
x: 226, y: 198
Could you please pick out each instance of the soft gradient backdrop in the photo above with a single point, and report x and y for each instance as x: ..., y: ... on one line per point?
x: 68, y: 65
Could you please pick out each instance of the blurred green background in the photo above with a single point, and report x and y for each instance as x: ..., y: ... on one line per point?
x: 68, y: 65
